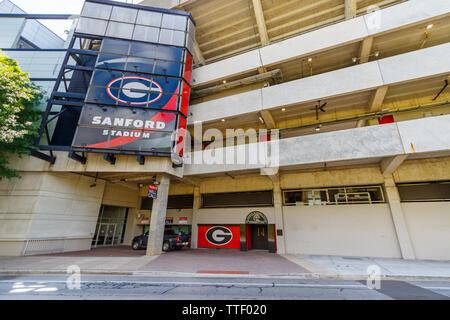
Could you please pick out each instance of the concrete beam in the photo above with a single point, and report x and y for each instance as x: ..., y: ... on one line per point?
x: 376, y: 101
x: 198, y: 55
x: 389, y: 165
x: 166, y: 4
x: 365, y: 49
x: 268, y: 119
x: 271, y: 173
x: 189, y: 181
x: 404, y: 239
x: 350, y: 9
x: 260, y: 21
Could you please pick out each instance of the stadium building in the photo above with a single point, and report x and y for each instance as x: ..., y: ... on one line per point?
x: 310, y: 127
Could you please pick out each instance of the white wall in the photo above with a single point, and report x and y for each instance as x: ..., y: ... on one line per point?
x: 429, y: 229
x: 56, y: 211
x: 177, y: 213
x: 347, y: 230
x: 232, y: 215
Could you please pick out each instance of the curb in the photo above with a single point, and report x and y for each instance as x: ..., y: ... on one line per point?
x: 305, y: 276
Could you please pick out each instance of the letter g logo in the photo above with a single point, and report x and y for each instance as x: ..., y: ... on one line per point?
x: 219, y: 236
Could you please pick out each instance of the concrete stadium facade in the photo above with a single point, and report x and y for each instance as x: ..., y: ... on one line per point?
x: 368, y: 177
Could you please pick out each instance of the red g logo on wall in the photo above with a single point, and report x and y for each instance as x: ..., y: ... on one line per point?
x: 219, y: 237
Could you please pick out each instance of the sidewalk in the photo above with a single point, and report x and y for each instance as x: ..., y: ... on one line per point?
x: 223, y: 263
x: 356, y: 267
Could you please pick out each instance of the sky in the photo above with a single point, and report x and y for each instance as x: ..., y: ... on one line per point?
x: 53, y: 7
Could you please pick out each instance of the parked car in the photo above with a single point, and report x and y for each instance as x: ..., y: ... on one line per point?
x: 171, y: 241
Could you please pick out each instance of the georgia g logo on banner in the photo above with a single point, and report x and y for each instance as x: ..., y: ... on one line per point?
x: 219, y: 236
x: 135, y: 90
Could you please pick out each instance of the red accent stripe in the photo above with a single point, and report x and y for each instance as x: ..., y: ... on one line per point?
x: 223, y: 272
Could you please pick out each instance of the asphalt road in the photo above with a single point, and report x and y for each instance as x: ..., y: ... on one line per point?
x: 55, y: 287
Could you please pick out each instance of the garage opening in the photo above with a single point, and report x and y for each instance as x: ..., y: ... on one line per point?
x: 111, y: 224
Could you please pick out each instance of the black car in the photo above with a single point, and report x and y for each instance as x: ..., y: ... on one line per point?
x: 171, y: 241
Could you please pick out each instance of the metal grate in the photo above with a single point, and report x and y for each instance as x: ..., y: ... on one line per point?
x: 39, y: 246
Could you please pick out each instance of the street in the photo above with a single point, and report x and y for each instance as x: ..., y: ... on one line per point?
x: 107, y: 287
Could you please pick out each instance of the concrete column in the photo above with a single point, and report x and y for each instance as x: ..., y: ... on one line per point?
x: 158, y: 218
x: 195, y: 208
x: 398, y: 218
x: 350, y: 9
x: 279, y: 218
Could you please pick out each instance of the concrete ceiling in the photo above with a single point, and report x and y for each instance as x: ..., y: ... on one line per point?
x: 226, y: 28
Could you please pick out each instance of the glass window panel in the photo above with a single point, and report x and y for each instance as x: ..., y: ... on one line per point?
x: 190, y: 44
x: 168, y: 53
x: 293, y: 197
x: 119, y: 30
x: 115, y: 46
x: 96, y: 10
x: 124, y: 14
x: 191, y: 29
x: 91, y: 26
x: 140, y: 65
x: 148, y: 34
x: 139, y: 49
x: 149, y: 18
x: 111, y: 61
x: 169, y: 68
x: 173, y: 21
x: 179, y: 38
x: 99, y: 95
x: 102, y: 78
x: 172, y: 37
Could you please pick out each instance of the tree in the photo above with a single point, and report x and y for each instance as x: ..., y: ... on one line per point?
x: 19, y: 115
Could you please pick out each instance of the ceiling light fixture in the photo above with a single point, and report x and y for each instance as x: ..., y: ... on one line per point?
x: 429, y: 26
x: 375, y: 54
x: 284, y: 109
x: 224, y: 81
x: 223, y: 120
x: 261, y: 120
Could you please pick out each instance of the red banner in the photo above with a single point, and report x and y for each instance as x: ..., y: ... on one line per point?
x: 219, y: 237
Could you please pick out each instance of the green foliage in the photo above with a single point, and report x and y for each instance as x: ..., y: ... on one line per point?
x: 19, y: 116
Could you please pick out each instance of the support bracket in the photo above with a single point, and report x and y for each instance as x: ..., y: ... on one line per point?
x: 73, y: 155
x: 110, y: 158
